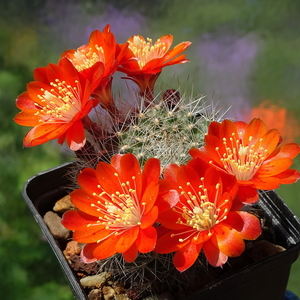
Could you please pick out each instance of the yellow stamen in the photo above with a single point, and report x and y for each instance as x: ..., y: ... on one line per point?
x: 120, y: 210
x: 242, y: 160
x: 197, y: 211
x: 86, y: 57
x: 61, y: 103
x: 145, y: 50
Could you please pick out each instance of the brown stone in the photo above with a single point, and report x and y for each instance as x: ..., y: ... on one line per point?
x: 82, y: 268
x: 121, y: 297
x: 63, y: 204
x: 95, y: 280
x: 95, y: 294
x: 72, y: 248
x: 108, y: 293
x: 53, y: 221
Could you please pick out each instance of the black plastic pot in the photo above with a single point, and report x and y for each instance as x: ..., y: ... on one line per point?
x: 265, y: 280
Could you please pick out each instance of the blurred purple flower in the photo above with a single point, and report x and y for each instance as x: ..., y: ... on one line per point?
x: 71, y: 24
x: 227, y: 63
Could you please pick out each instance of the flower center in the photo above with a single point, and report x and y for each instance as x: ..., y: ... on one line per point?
x: 242, y: 160
x: 120, y: 210
x: 60, y: 104
x: 86, y: 57
x: 198, y: 211
x: 145, y: 50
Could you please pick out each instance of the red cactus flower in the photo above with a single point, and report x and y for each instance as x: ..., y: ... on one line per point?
x: 117, y: 207
x: 151, y: 59
x: 202, y: 219
x: 251, y: 153
x: 55, y: 105
x: 102, y: 51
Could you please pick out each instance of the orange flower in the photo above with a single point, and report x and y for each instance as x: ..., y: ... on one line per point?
x: 151, y: 59
x: 55, y: 105
x: 102, y: 51
x: 117, y: 205
x: 278, y: 117
x: 202, y: 219
x: 251, y: 153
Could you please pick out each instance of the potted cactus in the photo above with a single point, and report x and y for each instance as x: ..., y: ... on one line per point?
x: 165, y: 197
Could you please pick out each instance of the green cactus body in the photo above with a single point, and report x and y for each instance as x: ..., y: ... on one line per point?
x: 165, y: 132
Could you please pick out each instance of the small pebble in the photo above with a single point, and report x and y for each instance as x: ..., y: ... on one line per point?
x: 53, y: 221
x: 121, y: 297
x: 108, y: 293
x: 72, y: 248
x: 95, y: 280
x: 63, y: 204
x: 95, y: 294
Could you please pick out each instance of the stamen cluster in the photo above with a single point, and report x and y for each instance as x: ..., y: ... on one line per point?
x: 85, y: 58
x: 242, y: 160
x: 60, y: 102
x: 121, y: 210
x: 198, y: 212
x: 145, y: 50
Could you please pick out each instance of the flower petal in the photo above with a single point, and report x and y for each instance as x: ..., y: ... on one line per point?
x: 131, y: 254
x: 85, y: 202
x: 269, y: 141
x: 88, y: 181
x: 91, y: 234
x: 43, y: 133
x: 24, y: 102
x: 289, y: 176
x: 98, y: 251
x: 167, y: 197
x: 149, y: 197
x: 254, y: 131
x: 146, y: 240
x: 126, y: 239
x: 286, y: 151
x: 130, y: 171
x: 27, y: 118
x: 245, y: 223
x: 108, y: 178
x: 76, y: 136
x: 170, y: 173
x: 266, y: 183
x: 169, y: 220
x: 213, y: 255
x: 186, y: 256
x: 151, y: 172
x: 168, y: 242
x: 247, y: 194
x: 228, y: 240
x: 74, y: 219
x: 274, y: 167
x: 150, y: 218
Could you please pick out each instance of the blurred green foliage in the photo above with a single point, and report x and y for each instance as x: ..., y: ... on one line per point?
x: 28, y: 39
